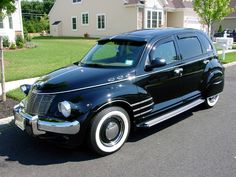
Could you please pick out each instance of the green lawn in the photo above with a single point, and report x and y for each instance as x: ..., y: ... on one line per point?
x: 229, y: 57
x: 50, y: 54
x: 16, y: 94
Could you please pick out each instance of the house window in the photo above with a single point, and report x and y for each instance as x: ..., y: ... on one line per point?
x: 10, y: 22
x: 76, y: 1
x: 160, y: 19
x: 149, y: 19
x: 154, y: 19
x: 1, y: 22
x: 74, y: 23
x: 85, y: 18
x: 101, y: 21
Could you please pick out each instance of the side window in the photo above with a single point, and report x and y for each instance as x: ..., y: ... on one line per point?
x: 190, y: 47
x: 207, y: 47
x: 166, y: 51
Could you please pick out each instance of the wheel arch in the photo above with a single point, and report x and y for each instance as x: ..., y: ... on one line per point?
x: 120, y: 103
x: 214, y: 82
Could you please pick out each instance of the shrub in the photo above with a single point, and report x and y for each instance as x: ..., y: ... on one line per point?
x: 19, y: 41
x: 20, y: 45
x: 220, y: 30
x: 13, y: 46
x: 86, y: 35
x: 6, y: 42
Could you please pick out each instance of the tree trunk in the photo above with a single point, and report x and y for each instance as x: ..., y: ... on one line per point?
x: 209, y: 30
x: 2, y: 70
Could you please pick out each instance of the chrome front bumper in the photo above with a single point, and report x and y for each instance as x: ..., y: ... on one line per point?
x: 40, y: 127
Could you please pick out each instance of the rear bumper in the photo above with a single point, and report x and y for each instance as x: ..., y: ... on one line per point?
x: 40, y: 127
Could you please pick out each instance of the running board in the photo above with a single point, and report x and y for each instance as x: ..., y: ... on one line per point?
x: 170, y: 114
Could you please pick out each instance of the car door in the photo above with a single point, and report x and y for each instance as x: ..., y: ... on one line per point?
x: 194, y: 62
x: 163, y: 84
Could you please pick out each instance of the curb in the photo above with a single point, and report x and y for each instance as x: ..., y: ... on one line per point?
x: 229, y: 64
x: 7, y: 120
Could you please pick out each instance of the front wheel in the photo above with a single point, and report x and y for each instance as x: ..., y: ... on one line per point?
x: 211, y: 101
x: 109, y: 130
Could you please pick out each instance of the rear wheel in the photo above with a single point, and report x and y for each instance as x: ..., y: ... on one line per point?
x: 211, y: 101
x: 109, y: 130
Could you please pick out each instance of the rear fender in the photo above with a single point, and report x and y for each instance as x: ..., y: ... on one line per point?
x: 214, y: 83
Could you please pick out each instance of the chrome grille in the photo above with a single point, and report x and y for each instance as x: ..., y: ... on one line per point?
x: 39, y: 104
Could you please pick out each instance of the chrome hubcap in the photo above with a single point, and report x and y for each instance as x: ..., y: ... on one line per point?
x: 112, y: 130
x: 213, y: 99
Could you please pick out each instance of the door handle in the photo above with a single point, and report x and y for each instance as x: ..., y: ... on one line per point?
x: 206, y: 61
x: 178, y: 71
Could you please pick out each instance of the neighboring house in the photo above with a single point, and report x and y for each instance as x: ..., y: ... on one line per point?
x: 11, y: 25
x: 180, y: 13
x: 109, y: 17
x: 229, y: 22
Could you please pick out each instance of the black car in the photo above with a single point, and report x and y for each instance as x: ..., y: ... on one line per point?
x: 135, y: 79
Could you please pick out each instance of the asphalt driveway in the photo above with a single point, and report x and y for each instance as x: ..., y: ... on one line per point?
x: 198, y: 143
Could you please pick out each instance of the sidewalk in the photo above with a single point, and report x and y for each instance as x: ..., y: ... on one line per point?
x: 227, y: 51
x: 16, y: 84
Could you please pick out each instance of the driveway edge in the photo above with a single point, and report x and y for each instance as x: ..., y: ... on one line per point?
x: 229, y: 64
x: 6, y: 122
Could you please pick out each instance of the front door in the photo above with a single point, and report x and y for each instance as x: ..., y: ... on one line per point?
x: 163, y: 84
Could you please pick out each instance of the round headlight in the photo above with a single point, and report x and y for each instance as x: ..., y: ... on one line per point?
x: 65, y: 108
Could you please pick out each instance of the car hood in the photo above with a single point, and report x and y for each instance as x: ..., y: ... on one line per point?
x: 74, y: 77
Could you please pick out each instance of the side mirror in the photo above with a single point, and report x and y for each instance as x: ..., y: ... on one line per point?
x: 25, y: 88
x: 157, y: 62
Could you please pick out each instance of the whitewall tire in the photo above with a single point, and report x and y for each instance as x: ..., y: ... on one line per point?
x: 109, y: 130
x: 212, y: 100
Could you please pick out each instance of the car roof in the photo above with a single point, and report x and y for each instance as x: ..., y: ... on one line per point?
x: 147, y: 34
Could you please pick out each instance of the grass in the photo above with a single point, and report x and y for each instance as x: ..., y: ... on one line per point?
x: 49, y: 55
x: 229, y: 57
x: 16, y: 94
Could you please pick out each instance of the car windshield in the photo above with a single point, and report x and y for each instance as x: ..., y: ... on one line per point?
x: 114, y: 54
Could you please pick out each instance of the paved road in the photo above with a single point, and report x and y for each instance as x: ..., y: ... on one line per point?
x: 199, y: 143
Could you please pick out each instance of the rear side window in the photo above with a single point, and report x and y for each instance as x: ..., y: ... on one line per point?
x: 190, y: 47
x: 207, y: 47
x: 166, y: 51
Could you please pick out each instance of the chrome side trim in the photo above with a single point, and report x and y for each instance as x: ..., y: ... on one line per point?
x: 89, y: 87
x: 114, y: 101
x: 122, y: 80
x: 138, y: 109
x: 135, y: 104
x: 137, y: 115
x: 170, y: 114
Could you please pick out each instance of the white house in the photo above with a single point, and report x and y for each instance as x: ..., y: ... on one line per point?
x: 108, y: 17
x: 11, y: 25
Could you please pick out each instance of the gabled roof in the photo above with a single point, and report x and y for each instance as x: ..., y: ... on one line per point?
x: 133, y: 2
x: 175, y: 4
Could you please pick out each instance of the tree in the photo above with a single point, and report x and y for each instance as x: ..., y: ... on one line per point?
x: 211, y: 11
x: 35, y: 18
x: 6, y: 7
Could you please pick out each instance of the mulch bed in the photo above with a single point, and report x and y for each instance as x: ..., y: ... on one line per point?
x: 7, y: 107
